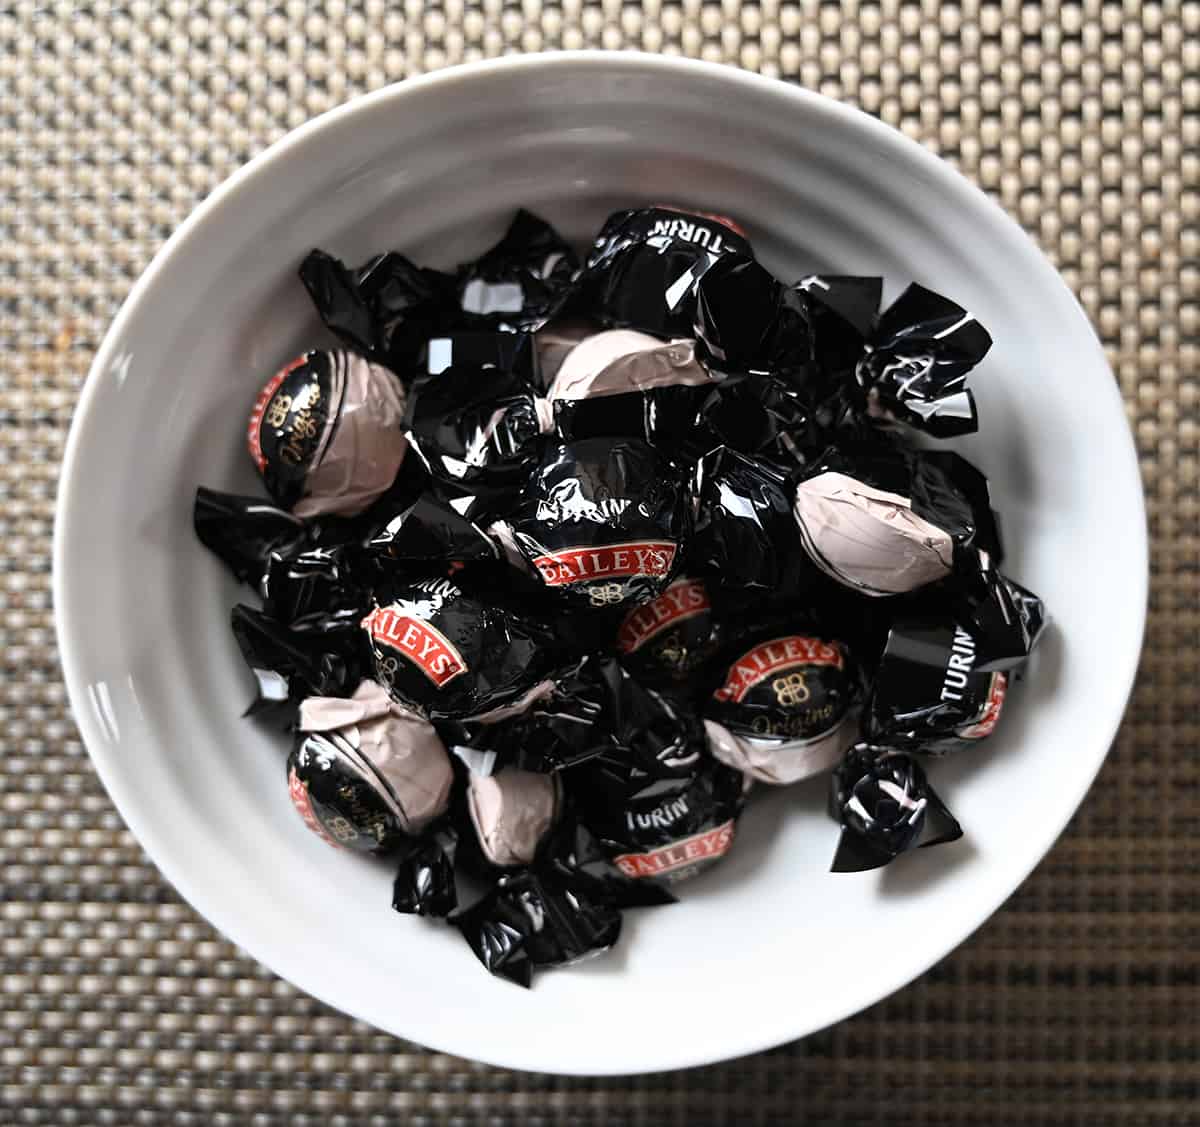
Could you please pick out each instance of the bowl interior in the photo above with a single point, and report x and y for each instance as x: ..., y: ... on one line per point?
x: 770, y: 945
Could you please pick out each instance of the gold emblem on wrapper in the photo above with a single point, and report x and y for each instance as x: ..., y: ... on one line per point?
x: 791, y: 690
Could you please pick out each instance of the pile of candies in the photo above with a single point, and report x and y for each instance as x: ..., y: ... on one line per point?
x: 563, y: 556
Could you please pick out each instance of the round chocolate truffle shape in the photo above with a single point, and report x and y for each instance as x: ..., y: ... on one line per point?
x: 365, y: 771
x: 671, y: 636
x: 325, y: 433
x: 339, y: 797
x: 452, y: 656
x: 602, y: 523
x: 668, y: 829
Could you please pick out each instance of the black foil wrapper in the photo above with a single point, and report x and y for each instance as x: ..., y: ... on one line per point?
x: 915, y: 369
x: 292, y: 422
x: 662, y: 417
x: 339, y: 796
x: 929, y: 693
x: 661, y: 829
x: 1005, y: 618
x: 790, y: 685
x: 627, y: 734
x: 644, y: 265
x: 388, y: 308
x: 522, y: 281
x: 766, y: 420
x: 425, y: 883
x: 245, y: 531
x: 885, y: 806
x: 670, y: 638
x: 745, y: 534
x: 449, y: 655
x: 885, y: 521
x: 318, y: 587
x: 431, y: 538
x: 473, y: 414
x: 602, y: 523
x: 325, y: 658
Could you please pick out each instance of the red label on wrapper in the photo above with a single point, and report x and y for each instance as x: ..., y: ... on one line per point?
x: 416, y: 640
x: 991, y: 710
x: 303, y: 805
x: 773, y: 657
x: 254, y: 428
x: 684, y: 599
x: 609, y: 561
x: 706, y: 846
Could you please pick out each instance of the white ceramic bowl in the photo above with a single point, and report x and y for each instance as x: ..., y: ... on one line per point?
x: 770, y: 946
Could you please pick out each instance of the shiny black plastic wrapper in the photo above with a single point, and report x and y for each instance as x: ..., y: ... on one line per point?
x: 884, y: 521
x: 602, y: 523
x: 245, y: 531
x: 810, y: 334
x: 598, y: 715
x: 661, y: 829
x: 319, y: 587
x: 389, y: 308
x: 765, y: 420
x: 643, y: 267
x: 473, y: 413
x: 745, y: 534
x: 450, y: 655
x: 670, y: 638
x: 781, y: 710
x: 425, y: 883
x: 930, y: 694
x: 885, y: 806
x: 1005, y: 618
x: 431, y: 538
x: 522, y: 281
x: 325, y: 658
x: 326, y: 434
x: 915, y: 367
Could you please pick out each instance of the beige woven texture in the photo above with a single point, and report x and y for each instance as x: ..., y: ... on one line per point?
x: 1076, y: 1004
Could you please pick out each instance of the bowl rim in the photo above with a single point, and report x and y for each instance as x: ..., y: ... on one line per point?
x: 753, y: 1036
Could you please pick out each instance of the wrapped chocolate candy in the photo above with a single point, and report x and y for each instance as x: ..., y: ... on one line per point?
x: 555, y: 342
x: 885, y: 806
x: 915, y: 367
x: 621, y: 360
x: 245, y: 531
x: 365, y: 772
x: 473, y: 413
x: 385, y: 309
x: 388, y: 308
x: 810, y: 334
x: 601, y: 523
x: 1004, y: 617
x: 430, y: 537
x: 325, y: 433
x: 323, y: 658
x: 882, y: 523
x: 321, y: 586
x: 782, y: 711
x: 644, y: 265
x: 766, y: 420
x: 670, y: 637
x: 449, y: 655
x: 512, y: 812
x: 662, y: 829
x: 746, y: 535
x: 929, y: 693
x: 522, y: 281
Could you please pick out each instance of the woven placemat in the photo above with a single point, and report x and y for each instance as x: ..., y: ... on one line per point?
x: 1077, y: 1003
